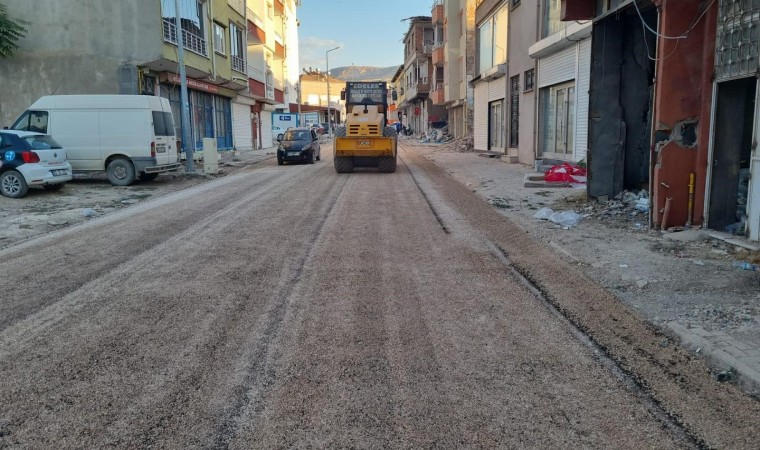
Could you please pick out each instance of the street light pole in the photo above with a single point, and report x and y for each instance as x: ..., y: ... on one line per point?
x: 185, y: 108
x: 329, y: 112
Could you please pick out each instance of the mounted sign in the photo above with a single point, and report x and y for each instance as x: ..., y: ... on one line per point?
x: 194, y: 84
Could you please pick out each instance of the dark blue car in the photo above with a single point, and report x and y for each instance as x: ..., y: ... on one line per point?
x: 298, y: 145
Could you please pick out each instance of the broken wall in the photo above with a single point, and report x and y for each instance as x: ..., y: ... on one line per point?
x: 683, y: 102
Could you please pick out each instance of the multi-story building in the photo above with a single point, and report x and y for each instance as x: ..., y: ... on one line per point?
x: 272, y: 62
x: 521, y: 117
x: 490, y: 84
x: 563, y: 54
x: 417, y: 108
x: 314, y: 93
x: 229, y: 78
x: 454, y: 39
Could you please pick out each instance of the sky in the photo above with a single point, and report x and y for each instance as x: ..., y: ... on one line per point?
x: 369, y: 32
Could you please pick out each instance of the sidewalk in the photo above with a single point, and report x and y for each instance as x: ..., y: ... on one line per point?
x: 682, y: 283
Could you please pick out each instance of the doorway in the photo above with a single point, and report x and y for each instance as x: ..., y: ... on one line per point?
x: 732, y: 155
x: 496, y: 126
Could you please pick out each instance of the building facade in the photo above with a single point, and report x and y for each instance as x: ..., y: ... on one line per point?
x: 232, y: 72
x: 563, y: 57
x: 521, y: 84
x: 490, y: 83
x: 417, y: 107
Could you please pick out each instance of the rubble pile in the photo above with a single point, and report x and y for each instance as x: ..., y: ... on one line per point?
x: 625, y: 210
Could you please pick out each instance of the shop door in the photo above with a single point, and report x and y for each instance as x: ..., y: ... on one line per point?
x: 496, y: 128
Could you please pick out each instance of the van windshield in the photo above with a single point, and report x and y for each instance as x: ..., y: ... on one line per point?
x: 36, y: 121
x: 163, y: 123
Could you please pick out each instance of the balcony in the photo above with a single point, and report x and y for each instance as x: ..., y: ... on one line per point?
x: 279, y: 8
x: 191, y: 41
x: 439, y: 55
x: 438, y: 96
x: 237, y: 5
x: 420, y: 89
x: 237, y: 63
x: 437, y: 12
x: 257, y: 74
x: 427, y: 48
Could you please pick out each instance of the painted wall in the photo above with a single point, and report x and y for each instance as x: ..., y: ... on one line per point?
x: 683, y: 94
x: 523, y: 24
x: 77, y: 47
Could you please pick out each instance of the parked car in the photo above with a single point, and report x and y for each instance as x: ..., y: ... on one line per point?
x: 31, y: 159
x: 298, y: 144
x: 127, y: 136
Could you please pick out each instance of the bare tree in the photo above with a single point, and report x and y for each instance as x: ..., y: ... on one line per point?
x: 11, y: 30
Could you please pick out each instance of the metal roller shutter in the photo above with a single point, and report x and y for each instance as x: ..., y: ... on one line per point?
x: 480, y: 119
x: 242, y: 133
x: 497, y: 89
x: 557, y: 68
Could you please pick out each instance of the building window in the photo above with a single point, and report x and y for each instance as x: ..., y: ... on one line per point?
x: 558, y: 124
x: 529, y: 79
x: 514, y: 111
x: 515, y: 3
x: 219, y: 45
x: 496, y: 125
x: 236, y: 48
x: 492, y: 41
x: 552, y: 21
x: 191, y: 18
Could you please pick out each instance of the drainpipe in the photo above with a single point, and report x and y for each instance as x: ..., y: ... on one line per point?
x: 653, y: 130
x: 211, y: 35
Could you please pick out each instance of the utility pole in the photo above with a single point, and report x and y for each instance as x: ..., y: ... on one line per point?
x: 298, y: 96
x: 185, y: 109
x: 329, y: 112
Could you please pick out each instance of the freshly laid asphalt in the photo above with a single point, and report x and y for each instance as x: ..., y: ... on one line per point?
x: 296, y: 307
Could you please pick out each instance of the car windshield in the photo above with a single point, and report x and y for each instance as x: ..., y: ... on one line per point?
x: 41, y: 142
x: 297, y: 135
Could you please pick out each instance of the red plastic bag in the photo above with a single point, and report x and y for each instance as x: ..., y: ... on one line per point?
x: 566, y: 173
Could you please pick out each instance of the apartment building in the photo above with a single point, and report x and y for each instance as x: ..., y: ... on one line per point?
x: 314, y: 95
x: 454, y: 39
x: 563, y: 56
x: 490, y: 83
x: 417, y: 109
x: 238, y: 72
x: 521, y: 84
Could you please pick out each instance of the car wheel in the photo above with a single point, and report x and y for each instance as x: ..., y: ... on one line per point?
x: 313, y: 157
x: 148, y: 176
x: 13, y: 184
x: 319, y: 155
x: 279, y: 162
x: 121, y: 172
x: 54, y: 187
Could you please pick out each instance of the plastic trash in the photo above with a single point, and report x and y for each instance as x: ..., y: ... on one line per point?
x: 543, y: 214
x: 566, y: 218
x: 88, y: 212
x: 743, y: 265
x: 642, y: 205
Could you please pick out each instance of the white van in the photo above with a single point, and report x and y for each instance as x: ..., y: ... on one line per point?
x: 128, y: 136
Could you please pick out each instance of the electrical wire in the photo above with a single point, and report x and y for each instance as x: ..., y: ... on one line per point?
x: 683, y: 35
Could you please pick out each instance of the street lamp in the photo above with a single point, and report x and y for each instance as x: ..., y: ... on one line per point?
x: 329, y: 113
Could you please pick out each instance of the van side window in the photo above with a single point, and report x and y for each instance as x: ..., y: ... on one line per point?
x: 163, y: 124
x: 36, y: 121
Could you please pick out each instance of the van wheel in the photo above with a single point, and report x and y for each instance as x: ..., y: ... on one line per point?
x: 148, y: 176
x: 13, y: 184
x: 121, y: 172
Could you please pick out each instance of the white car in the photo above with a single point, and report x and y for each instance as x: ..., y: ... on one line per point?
x: 31, y: 159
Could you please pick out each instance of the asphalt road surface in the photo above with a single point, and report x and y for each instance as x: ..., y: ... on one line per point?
x: 296, y: 307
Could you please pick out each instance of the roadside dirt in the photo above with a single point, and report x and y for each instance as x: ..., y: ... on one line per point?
x: 684, y: 277
x: 83, y: 198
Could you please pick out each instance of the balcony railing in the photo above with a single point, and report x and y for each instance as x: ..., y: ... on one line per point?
x: 253, y: 17
x: 257, y: 74
x: 192, y: 42
x: 237, y: 63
